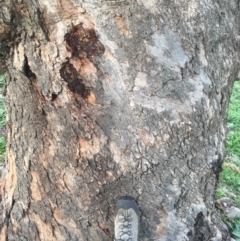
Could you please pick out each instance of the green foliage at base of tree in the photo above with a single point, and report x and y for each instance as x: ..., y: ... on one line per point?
x: 231, y: 178
x: 234, y: 108
x: 234, y: 227
x: 229, y: 185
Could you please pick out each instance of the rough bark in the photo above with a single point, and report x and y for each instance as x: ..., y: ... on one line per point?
x: 107, y: 98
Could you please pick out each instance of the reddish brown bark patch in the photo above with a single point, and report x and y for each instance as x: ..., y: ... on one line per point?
x: 3, y: 233
x: 162, y: 227
x: 83, y: 44
x: 104, y: 228
x: 122, y: 25
x: 70, y: 75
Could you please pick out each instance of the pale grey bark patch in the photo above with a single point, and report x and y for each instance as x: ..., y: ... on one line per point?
x: 149, y: 123
x: 167, y: 49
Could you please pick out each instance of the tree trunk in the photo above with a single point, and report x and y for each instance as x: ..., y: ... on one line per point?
x: 107, y: 98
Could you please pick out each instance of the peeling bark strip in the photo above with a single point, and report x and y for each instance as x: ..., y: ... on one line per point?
x: 153, y: 81
x: 83, y: 44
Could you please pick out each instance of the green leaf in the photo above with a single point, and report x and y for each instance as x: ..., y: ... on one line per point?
x: 236, y: 232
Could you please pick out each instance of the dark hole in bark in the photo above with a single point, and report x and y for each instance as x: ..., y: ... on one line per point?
x: 27, y: 70
x: 54, y: 96
x: 201, y: 228
x: 217, y: 168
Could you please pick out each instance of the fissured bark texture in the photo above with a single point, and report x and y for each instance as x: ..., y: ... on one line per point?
x: 107, y: 98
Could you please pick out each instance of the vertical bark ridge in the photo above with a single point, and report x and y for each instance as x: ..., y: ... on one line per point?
x: 112, y: 98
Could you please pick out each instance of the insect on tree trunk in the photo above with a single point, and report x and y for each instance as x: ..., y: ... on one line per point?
x: 112, y: 98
